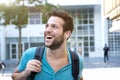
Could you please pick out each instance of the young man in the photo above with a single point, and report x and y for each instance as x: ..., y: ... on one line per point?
x: 56, y: 61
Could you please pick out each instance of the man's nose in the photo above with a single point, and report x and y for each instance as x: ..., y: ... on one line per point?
x: 48, y: 29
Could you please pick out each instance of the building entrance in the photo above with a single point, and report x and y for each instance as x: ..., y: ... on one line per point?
x: 14, y: 50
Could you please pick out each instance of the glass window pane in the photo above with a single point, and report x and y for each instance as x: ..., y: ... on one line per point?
x: 34, y: 18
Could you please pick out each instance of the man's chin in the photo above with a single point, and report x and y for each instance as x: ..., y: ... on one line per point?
x: 48, y: 46
x: 51, y: 47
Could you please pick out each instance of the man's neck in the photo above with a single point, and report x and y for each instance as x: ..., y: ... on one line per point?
x: 57, y: 53
x: 57, y: 58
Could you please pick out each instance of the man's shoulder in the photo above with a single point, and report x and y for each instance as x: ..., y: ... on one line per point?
x: 27, y: 55
x: 80, y: 58
x: 76, y: 54
x: 30, y: 51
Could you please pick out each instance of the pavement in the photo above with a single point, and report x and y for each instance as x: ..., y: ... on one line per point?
x: 94, y: 69
x: 99, y: 62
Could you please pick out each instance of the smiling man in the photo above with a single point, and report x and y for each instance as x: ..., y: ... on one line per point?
x: 56, y: 63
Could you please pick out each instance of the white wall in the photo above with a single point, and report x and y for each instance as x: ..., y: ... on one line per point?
x: 104, y: 27
x: 29, y: 31
x: 11, y: 31
x: 98, y: 39
x: 2, y: 42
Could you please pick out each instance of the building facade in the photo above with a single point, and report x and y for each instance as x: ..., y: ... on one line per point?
x: 89, y: 35
x: 112, y: 14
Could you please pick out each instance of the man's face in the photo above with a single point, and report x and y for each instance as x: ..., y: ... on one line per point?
x: 53, y: 34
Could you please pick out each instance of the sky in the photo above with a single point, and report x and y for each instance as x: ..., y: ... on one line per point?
x: 56, y: 2
x: 6, y: 1
x: 72, y: 2
x: 63, y: 2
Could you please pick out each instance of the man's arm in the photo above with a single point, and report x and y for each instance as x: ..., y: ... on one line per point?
x: 32, y: 66
x: 81, y: 78
x: 19, y: 75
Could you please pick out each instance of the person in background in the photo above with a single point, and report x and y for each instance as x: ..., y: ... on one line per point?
x: 80, y: 51
x: 2, y: 67
x: 106, y: 49
x: 73, y: 49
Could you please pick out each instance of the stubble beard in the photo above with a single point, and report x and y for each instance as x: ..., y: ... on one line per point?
x: 56, y: 43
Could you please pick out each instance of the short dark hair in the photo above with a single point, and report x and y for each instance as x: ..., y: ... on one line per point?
x: 68, y: 20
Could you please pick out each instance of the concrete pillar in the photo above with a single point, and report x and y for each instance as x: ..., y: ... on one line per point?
x: 2, y: 37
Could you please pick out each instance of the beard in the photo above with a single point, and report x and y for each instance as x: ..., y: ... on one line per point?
x: 57, y: 42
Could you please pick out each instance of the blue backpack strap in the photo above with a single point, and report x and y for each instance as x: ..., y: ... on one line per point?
x: 38, y: 55
x: 75, y: 65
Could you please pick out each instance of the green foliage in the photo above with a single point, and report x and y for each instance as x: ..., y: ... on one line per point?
x: 7, y: 14
x: 45, y: 11
x: 20, y: 16
x: 12, y: 14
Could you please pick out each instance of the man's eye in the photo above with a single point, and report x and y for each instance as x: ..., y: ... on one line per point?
x: 46, y: 26
x: 54, y: 26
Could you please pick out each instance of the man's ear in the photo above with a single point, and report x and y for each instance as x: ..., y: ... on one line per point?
x: 67, y: 34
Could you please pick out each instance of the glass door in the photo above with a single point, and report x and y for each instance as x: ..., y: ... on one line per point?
x: 13, y: 51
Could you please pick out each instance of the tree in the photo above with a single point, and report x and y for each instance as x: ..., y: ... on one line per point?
x: 17, y: 13
x: 20, y: 20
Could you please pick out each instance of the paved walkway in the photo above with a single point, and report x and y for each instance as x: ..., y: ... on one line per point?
x: 10, y: 66
x: 99, y: 62
x: 94, y: 69
x: 102, y: 74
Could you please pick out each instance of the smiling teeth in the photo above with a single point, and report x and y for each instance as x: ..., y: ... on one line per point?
x: 49, y: 37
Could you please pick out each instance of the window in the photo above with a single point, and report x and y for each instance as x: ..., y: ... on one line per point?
x: 34, y: 18
x: 91, y: 30
x: 84, y: 18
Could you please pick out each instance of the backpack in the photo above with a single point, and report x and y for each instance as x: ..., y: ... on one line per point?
x: 75, y: 62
